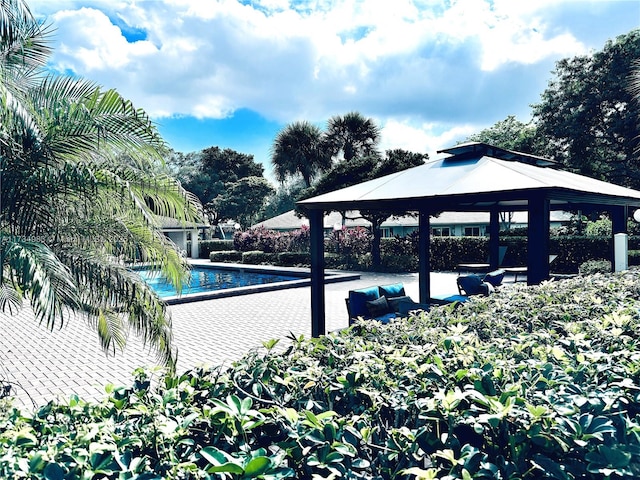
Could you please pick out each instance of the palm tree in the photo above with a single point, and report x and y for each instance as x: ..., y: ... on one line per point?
x: 81, y: 193
x: 353, y: 135
x: 299, y: 148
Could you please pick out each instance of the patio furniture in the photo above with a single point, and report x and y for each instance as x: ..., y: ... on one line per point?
x: 523, y: 269
x: 472, y: 284
x: 382, y: 303
x: 482, y: 267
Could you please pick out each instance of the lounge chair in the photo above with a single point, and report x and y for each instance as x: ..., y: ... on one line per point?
x: 382, y: 303
x: 523, y: 270
x: 482, y: 267
x: 469, y: 285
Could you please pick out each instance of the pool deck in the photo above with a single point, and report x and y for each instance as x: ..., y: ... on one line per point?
x: 43, y: 365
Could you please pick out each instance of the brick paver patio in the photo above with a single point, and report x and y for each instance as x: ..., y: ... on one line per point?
x: 43, y: 365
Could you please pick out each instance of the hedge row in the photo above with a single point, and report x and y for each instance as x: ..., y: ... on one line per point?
x: 286, y: 259
x: 528, y: 383
x: 400, y: 254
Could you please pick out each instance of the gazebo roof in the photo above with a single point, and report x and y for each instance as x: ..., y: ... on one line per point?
x: 476, y: 177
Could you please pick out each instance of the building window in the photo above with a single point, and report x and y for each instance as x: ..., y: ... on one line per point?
x: 471, y: 231
x: 441, y: 232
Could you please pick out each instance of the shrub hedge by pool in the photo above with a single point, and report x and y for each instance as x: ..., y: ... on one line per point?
x: 531, y: 382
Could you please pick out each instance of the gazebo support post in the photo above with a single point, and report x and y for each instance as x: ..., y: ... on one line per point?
x: 424, y: 244
x: 317, y: 272
x: 494, y: 238
x: 538, y: 240
x: 619, y: 216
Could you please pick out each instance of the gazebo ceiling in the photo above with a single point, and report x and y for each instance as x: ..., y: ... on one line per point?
x: 477, y: 177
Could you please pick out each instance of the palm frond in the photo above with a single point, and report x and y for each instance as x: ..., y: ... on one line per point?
x: 10, y: 298
x: 32, y: 269
x: 110, y: 290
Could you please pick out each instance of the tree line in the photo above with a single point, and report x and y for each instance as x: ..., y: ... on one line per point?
x: 586, y: 119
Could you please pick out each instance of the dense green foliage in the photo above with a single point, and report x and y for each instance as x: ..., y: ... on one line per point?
x: 510, y: 134
x: 587, y: 117
x: 531, y: 382
x: 84, y: 189
x: 300, y: 148
x: 230, y: 184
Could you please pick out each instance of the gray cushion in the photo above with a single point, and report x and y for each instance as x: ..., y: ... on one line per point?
x: 378, y: 307
x: 394, y: 302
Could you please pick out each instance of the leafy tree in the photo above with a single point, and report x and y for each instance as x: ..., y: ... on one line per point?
x: 213, y: 174
x: 242, y: 200
x: 510, y: 134
x: 80, y: 193
x: 587, y: 116
x: 352, y: 135
x: 299, y: 149
x: 282, y: 199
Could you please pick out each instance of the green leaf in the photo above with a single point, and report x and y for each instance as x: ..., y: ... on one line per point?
x: 257, y: 466
x: 215, y: 456
x: 53, y: 471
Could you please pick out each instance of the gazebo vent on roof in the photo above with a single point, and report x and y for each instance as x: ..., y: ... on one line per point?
x: 473, y: 149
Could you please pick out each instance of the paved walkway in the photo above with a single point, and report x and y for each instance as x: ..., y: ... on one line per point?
x: 43, y: 365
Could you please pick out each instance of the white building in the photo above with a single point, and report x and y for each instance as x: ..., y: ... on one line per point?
x: 447, y: 224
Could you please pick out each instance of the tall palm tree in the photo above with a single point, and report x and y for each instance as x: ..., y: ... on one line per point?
x: 353, y: 135
x: 299, y: 148
x: 80, y: 195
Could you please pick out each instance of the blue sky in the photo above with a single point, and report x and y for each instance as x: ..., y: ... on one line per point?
x: 232, y: 73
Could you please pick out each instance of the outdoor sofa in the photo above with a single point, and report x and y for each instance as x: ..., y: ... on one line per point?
x: 386, y: 302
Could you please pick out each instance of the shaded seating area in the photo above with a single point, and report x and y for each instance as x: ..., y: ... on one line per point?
x: 381, y: 302
x: 474, y: 177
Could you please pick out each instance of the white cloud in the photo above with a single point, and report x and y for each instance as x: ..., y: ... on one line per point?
x: 422, y: 137
x: 91, y: 42
x: 428, y: 60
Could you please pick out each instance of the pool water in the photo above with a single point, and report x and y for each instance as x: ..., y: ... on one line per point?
x: 203, y: 279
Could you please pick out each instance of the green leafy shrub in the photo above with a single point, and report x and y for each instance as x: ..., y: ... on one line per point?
x: 231, y: 256
x: 528, y: 383
x: 215, y: 245
x: 332, y: 260
x: 294, y: 259
x: 634, y: 257
x: 259, y: 258
x: 595, y: 266
x: 599, y: 228
x: 447, y: 252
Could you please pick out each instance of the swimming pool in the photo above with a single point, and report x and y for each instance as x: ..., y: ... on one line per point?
x: 207, y: 281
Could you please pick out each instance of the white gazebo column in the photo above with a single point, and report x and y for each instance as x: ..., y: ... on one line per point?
x: 620, y: 260
x: 195, y: 245
x: 183, y: 241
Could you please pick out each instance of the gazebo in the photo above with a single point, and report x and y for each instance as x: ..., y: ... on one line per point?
x: 475, y: 177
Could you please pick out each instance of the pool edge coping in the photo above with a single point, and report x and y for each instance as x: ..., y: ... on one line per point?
x: 331, y: 276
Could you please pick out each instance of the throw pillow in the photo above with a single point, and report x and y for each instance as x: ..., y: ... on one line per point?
x: 378, y: 307
x: 394, y: 290
x: 394, y: 302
